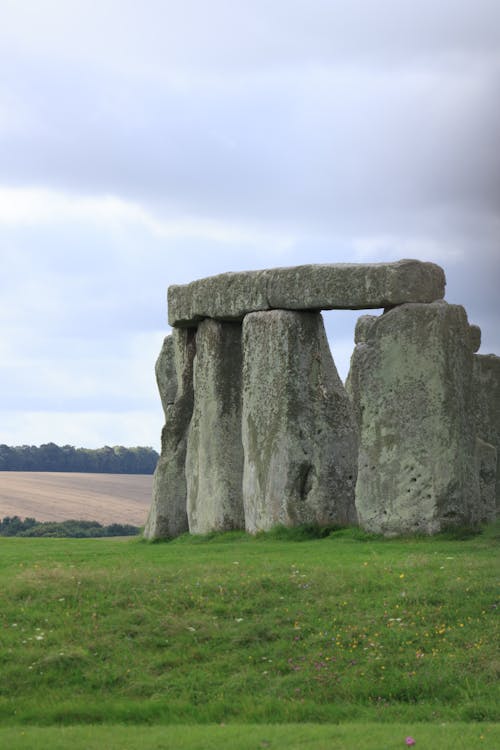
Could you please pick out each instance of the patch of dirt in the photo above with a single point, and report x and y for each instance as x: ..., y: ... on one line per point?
x: 57, y: 496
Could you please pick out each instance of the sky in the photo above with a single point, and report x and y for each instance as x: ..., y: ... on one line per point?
x: 154, y: 143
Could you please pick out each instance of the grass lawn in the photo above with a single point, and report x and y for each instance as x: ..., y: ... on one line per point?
x: 358, y: 736
x: 346, y: 641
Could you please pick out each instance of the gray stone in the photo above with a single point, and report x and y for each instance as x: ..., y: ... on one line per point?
x: 363, y: 325
x: 474, y: 338
x: 351, y: 286
x: 174, y: 374
x: 486, y: 404
x: 214, y: 461
x: 355, y: 286
x: 486, y: 466
x: 412, y: 382
x: 298, y: 429
x: 227, y: 297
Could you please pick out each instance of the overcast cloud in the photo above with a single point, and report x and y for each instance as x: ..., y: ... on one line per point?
x: 145, y: 144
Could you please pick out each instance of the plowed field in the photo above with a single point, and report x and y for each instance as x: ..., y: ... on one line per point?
x: 54, y: 496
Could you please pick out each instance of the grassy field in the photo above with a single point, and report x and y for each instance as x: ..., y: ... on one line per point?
x: 58, y: 496
x: 207, y: 642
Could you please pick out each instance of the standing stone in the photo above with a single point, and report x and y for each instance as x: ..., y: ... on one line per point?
x: 298, y: 429
x: 486, y: 463
x: 174, y: 375
x: 417, y: 466
x: 486, y: 405
x: 352, y: 384
x: 214, y: 461
x: 474, y: 337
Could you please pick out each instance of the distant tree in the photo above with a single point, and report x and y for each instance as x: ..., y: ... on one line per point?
x: 51, y: 457
x: 14, y: 526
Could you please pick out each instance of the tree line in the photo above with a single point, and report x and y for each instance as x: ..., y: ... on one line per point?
x: 52, y: 457
x: 15, y: 526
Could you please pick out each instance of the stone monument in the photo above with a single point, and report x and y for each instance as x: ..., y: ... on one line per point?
x: 259, y: 429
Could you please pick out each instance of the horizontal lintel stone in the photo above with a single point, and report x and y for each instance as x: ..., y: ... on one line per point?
x: 341, y: 286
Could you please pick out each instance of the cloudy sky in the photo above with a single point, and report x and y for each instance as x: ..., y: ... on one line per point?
x: 149, y: 143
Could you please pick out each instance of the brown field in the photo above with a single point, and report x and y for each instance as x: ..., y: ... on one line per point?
x: 51, y: 496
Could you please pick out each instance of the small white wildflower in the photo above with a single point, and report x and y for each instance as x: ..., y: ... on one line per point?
x: 239, y: 619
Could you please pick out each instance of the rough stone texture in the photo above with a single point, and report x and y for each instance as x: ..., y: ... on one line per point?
x: 486, y: 404
x: 363, y: 325
x: 412, y: 381
x: 174, y: 375
x: 474, y: 338
x: 351, y: 286
x: 355, y: 286
x: 227, y: 297
x: 298, y: 429
x: 486, y: 466
x: 214, y: 462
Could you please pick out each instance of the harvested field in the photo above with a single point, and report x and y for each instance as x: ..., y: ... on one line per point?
x: 57, y: 496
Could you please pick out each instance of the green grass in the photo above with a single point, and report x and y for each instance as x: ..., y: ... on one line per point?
x: 238, y: 630
x: 255, y: 737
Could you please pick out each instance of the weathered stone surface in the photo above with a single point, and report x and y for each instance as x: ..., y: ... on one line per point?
x: 486, y: 405
x: 227, y: 297
x: 474, y: 337
x: 363, y: 325
x: 486, y: 467
x: 214, y: 461
x: 174, y: 375
x: 351, y: 286
x: 412, y: 383
x: 298, y: 429
x: 355, y: 286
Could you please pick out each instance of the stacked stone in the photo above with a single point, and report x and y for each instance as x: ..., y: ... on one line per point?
x: 259, y: 429
x: 486, y: 422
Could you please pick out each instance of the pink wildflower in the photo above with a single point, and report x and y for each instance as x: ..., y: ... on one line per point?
x: 410, y: 741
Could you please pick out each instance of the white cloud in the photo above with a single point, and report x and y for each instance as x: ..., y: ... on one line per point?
x: 88, y: 429
x: 155, y: 143
x: 38, y: 207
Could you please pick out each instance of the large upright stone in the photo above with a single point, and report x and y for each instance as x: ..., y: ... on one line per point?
x: 214, y: 461
x: 351, y: 286
x: 412, y: 383
x: 486, y: 405
x: 298, y: 430
x: 486, y: 467
x: 174, y: 375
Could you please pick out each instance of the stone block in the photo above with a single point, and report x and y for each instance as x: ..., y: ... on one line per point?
x: 412, y: 387
x: 226, y: 297
x: 344, y: 286
x: 298, y: 430
x: 174, y: 375
x: 486, y: 466
x: 214, y: 460
x: 486, y: 405
x: 475, y: 338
